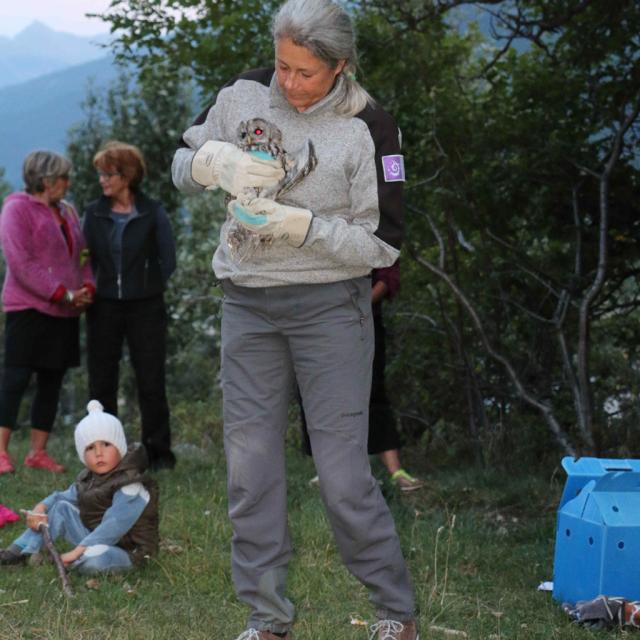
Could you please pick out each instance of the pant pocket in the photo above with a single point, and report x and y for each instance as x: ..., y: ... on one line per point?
x: 359, y: 291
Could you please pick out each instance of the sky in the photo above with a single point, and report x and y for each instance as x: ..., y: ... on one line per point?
x: 60, y: 15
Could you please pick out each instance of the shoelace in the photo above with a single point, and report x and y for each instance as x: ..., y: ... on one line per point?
x: 249, y: 634
x: 387, y: 629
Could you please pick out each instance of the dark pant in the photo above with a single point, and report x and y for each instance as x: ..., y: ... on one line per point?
x: 383, y: 434
x: 143, y: 323
x: 45, y: 402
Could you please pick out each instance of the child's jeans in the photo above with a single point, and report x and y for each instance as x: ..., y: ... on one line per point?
x: 64, y: 522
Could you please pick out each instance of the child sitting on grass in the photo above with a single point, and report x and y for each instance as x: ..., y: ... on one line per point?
x: 110, y: 512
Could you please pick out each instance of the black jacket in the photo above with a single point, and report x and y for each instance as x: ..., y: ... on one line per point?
x: 148, y: 250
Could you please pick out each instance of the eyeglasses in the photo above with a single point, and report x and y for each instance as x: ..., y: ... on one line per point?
x: 107, y: 175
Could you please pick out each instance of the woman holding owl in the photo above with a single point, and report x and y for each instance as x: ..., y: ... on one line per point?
x: 299, y: 309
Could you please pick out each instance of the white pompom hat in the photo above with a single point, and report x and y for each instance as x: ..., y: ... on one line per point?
x: 99, y: 425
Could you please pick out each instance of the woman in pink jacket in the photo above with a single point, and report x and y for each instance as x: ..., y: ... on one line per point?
x: 48, y: 283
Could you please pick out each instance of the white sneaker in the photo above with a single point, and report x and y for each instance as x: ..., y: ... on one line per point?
x: 254, y: 634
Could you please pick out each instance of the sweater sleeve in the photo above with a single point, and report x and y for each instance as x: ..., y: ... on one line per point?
x: 207, y: 126
x: 390, y: 276
x: 18, y: 247
x: 128, y: 504
x: 374, y: 195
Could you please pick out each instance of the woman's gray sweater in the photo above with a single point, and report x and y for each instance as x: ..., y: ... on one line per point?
x: 354, y: 193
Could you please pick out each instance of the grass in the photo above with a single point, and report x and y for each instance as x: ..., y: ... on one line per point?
x: 477, y: 546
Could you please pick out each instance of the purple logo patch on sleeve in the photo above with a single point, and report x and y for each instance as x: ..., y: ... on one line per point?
x: 393, y: 168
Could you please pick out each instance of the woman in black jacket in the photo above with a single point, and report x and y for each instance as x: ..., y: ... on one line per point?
x: 133, y: 255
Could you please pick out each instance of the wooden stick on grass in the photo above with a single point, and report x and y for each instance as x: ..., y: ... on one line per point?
x: 55, y: 556
x: 43, y: 528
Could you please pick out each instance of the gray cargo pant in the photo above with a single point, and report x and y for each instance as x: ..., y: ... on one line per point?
x: 322, y: 336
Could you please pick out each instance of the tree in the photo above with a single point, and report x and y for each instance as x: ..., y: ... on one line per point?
x: 521, y: 261
x: 214, y: 39
x: 523, y: 219
x: 150, y: 113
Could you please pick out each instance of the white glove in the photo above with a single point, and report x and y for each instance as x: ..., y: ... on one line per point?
x: 269, y: 218
x: 222, y: 164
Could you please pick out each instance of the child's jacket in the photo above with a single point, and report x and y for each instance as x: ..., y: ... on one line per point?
x: 120, y: 508
x: 95, y: 493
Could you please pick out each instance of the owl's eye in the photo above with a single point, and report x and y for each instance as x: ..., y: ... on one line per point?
x: 258, y: 132
x: 243, y: 134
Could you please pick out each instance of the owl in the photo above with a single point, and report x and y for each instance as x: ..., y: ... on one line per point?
x: 263, y: 139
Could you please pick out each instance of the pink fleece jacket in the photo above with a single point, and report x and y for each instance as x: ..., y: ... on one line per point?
x: 38, y: 258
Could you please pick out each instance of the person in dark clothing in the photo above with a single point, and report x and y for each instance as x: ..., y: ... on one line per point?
x: 384, y: 439
x: 110, y: 512
x: 133, y: 255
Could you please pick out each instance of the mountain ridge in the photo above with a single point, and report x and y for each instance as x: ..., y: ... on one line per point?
x: 38, y: 50
x: 38, y: 113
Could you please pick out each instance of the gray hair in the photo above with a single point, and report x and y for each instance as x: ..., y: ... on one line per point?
x: 325, y: 29
x: 39, y: 166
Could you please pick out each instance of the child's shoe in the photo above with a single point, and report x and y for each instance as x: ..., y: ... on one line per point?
x: 405, y: 482
x: 42, y: 460
x: 7, y: 516
x: 10, y: 557
x: 6, y: 464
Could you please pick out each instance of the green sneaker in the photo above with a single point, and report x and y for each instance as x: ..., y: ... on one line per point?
x: 405, y: 482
